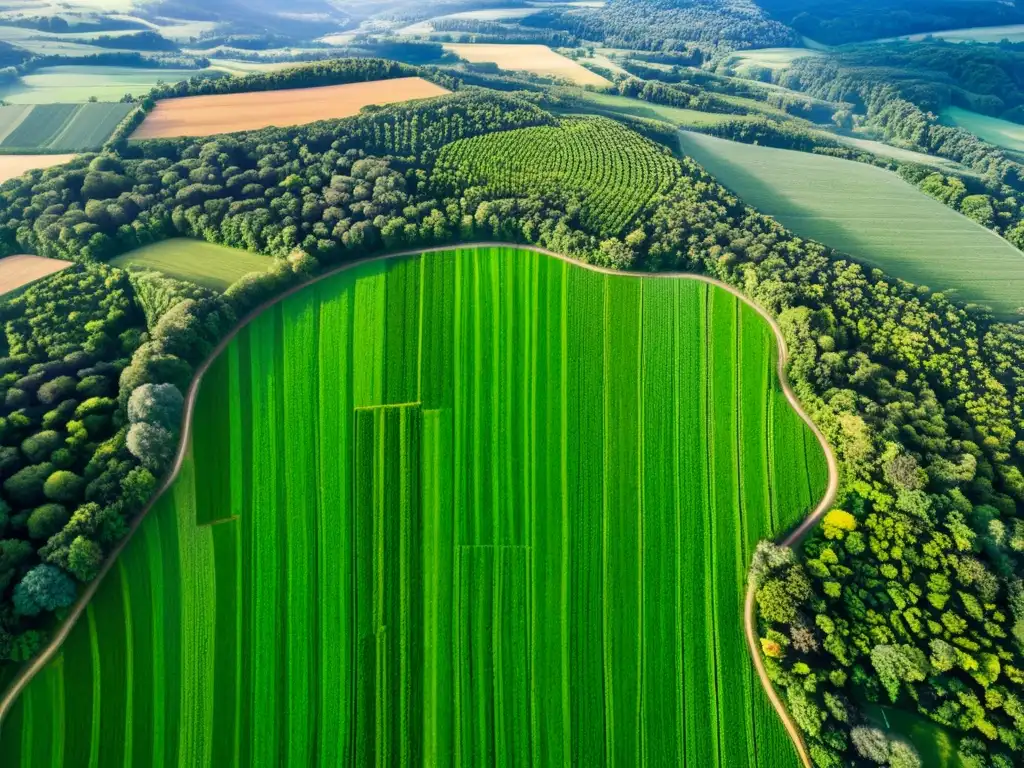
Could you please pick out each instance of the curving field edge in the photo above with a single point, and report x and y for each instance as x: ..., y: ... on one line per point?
x: 34, y: 666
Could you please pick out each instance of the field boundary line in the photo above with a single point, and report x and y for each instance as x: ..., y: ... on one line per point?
x: 35, y: 665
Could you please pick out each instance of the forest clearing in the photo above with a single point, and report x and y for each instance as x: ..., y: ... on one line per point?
x: 207, y: 264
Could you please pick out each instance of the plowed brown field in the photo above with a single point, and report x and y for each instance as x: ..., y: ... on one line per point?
x: 209, y: 115
x: 16, y: 271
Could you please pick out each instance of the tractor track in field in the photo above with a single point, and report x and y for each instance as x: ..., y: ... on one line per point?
x: 33, y: 667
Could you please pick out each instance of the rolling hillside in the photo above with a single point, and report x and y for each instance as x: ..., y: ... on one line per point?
x: 871, y: 214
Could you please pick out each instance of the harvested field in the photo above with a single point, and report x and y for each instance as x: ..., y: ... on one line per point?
x: 228, y: 113
x: 537, y: 59
x: 20, y: 270
x: 12, y: 166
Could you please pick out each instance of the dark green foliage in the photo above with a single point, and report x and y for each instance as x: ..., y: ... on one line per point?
x: 334, y: 72
x: 44, y: 588
x: 484, y: 32
x: 39, y: 447
x: 668, y: 25
x: 783, y: 135
x: 64, y: 486
x: 677, y: 95
x: 93, y: 386
x: 25, y: 487
x: 46, y: 521
x: 13, y: 554
x: 936, y: 74
x: 836, y: 23
x: 152, y: 444
x: 56, y: 390
x: 251, y: 196
x: 157, y: 292
x: 84, y: 558
x: 705, y: 84
x: 898, y: 88
x: 147, y: 40
x: 156, y: 403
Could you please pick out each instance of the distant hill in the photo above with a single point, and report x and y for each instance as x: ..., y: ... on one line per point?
x: 850, y: 21
x: 301, y: 18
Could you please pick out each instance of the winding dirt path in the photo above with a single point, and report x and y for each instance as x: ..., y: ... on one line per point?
x: 33, y: 667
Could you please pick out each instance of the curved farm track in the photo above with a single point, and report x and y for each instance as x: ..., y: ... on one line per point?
x: 33, y: 667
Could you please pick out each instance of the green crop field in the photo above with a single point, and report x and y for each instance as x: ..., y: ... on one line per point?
x: 871, y: 214
x: 638, y: 108
x: 208, y: 264
x: 1002, y: 133
x: 615, y: 183
x: 53, y: 85
x: 769, y: 58
x: 59, y: 127
x: 476, y: 507
x: 1012, y: 32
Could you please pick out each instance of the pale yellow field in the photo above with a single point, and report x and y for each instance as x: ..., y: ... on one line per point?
x: 16, y: 271
x: 538, y: 59
x: 209, y: 115
x: 12, y: 166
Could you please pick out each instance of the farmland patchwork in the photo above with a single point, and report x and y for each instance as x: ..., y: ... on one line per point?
x: 476, y: 507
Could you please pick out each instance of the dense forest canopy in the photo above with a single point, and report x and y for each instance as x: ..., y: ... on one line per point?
x: 670, y: 24
x: 933, y: 74
x: 891, y: 102
x: 851, y: 21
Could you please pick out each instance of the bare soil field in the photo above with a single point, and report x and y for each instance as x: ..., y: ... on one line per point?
x: 12, y: 166
x: 538, y: 59
x: 16, y: 271
x: 228, y: 113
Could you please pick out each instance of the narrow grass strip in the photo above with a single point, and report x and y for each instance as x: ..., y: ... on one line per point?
x: 335, y: 546
x: 299, y: 411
